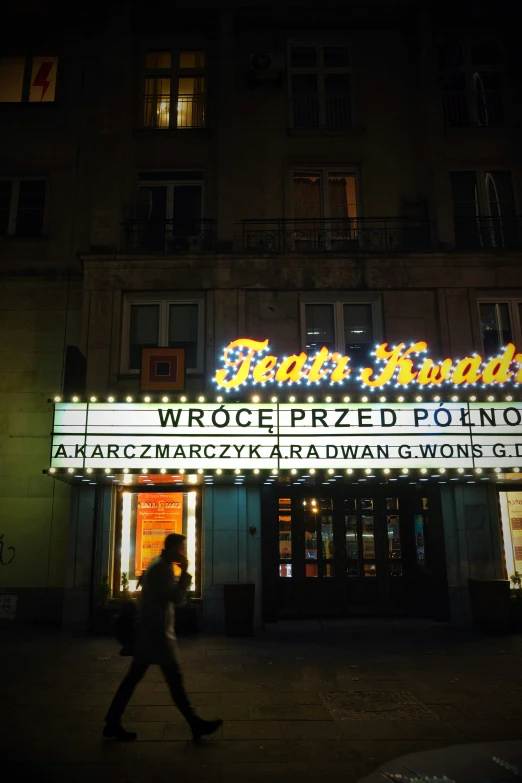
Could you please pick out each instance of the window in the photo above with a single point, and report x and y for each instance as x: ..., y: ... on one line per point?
x: 22, y: 207
x: 154, y: 322
x: 348, y: 327
x: 471, y: 83
x: 28, y: 79
x: 169, y: 213
x: 325, y: 209
x: 174, y: 79
x: 484, y: 210
x: 320, y: 86
x: 500, y: 324
x: 147, y: 516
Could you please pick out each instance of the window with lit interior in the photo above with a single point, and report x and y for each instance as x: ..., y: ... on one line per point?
x: 174, y: 89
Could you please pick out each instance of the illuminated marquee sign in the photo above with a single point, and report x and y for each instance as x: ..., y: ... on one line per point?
x: 245, y: 362
x: 283, y: 435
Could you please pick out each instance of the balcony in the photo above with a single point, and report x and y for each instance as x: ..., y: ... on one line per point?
x: 321, y: 110
x: 190, y: 111
x: 340, y: 235
x: 488, y: 233
x: 167, y: 236
x: 482, y: 108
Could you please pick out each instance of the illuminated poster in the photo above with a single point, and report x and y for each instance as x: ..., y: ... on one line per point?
x: 514, y: 500
x: 157, y: 515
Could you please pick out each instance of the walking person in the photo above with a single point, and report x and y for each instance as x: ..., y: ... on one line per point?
x: 155, y: 641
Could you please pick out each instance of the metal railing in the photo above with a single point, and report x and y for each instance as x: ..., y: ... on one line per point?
x: 346, y: 235
x: 488, y: 233
x: 473, y: 107
x: 166, y: 236
x: 315, y: 110
x: 190, y: 111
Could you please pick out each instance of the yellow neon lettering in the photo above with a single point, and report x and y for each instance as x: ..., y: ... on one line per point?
x: 262, y: 370
x: 434, y: 373
x: 497, y: 370
x: 340, y: 372
x: 292, y: 368
x: 243, y: 362
x: 518, y: 360
x: 467, y: 370
x: 315, y: 374
x: 395, y: 359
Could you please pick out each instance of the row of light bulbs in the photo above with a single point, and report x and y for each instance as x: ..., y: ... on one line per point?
x: 274, y: 471
x: 256, y: 399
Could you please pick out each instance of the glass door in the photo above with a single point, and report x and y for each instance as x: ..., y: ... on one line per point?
x: 346, y: 551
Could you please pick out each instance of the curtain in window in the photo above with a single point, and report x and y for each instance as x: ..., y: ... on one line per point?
x: 501, y: 208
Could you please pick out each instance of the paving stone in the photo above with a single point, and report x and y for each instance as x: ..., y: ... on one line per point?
x: 53, y: 710
x: 253, y: 729
x: 310, y: 729
x: 255, y: 772
x: 373, y: 705
x: 290, y: 712
x: 294, y: 697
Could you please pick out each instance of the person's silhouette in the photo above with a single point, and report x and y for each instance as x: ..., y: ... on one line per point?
x: 155, y: 641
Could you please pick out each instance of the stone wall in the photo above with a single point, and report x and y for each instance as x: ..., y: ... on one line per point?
x: 38, y: 318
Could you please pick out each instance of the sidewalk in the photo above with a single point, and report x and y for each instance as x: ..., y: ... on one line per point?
x: 309, y: 701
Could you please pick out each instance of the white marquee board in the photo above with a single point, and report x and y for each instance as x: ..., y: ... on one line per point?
x: 272, y: 435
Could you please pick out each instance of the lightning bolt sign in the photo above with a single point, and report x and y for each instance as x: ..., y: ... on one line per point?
x: 42, y: 77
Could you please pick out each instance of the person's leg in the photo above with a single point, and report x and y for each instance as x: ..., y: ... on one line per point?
x: 121, y: 699
x: 172, y: 673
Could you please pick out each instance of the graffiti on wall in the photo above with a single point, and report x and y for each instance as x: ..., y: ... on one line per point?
x: 10, y: 552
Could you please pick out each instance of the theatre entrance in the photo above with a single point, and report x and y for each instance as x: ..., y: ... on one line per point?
x: 352, y: 550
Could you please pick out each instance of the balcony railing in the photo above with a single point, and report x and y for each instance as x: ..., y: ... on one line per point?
x: 320, y: 110
x: 346, y: 235
x: 488, y: 233
x: 166, y: 236
x: 190, y: 111
x: 473, y: 107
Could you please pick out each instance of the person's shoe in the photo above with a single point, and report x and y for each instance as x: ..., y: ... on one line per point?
x: 117, y: 732
x: 202, y: 727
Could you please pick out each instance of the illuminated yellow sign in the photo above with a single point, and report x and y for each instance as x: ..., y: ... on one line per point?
x: 246, y: 361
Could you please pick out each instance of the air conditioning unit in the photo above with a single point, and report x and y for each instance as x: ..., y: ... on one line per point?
x: 265, y: 68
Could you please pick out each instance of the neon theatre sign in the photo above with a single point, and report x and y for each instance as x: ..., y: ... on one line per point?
x: 247, y: 361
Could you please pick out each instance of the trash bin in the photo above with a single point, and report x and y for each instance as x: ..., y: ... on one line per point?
x: 490, y: 604
x: 239, y: 608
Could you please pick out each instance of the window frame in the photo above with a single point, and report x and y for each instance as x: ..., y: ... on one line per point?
x: 338, y: 302
x: 26, y: 81
x: 483, y: 202
x: 170, y: 184
x: 320, y: 70
x: 174, y: 74
x: 324, y: 171
x: 13, y: 205
x: 163, y: 300
x: 470, y: 70
x: 514, y: 304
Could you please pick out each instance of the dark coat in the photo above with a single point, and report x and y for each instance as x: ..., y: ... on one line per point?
x: 155, y: 639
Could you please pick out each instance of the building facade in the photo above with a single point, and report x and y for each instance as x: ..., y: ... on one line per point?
x: 185, y: 177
